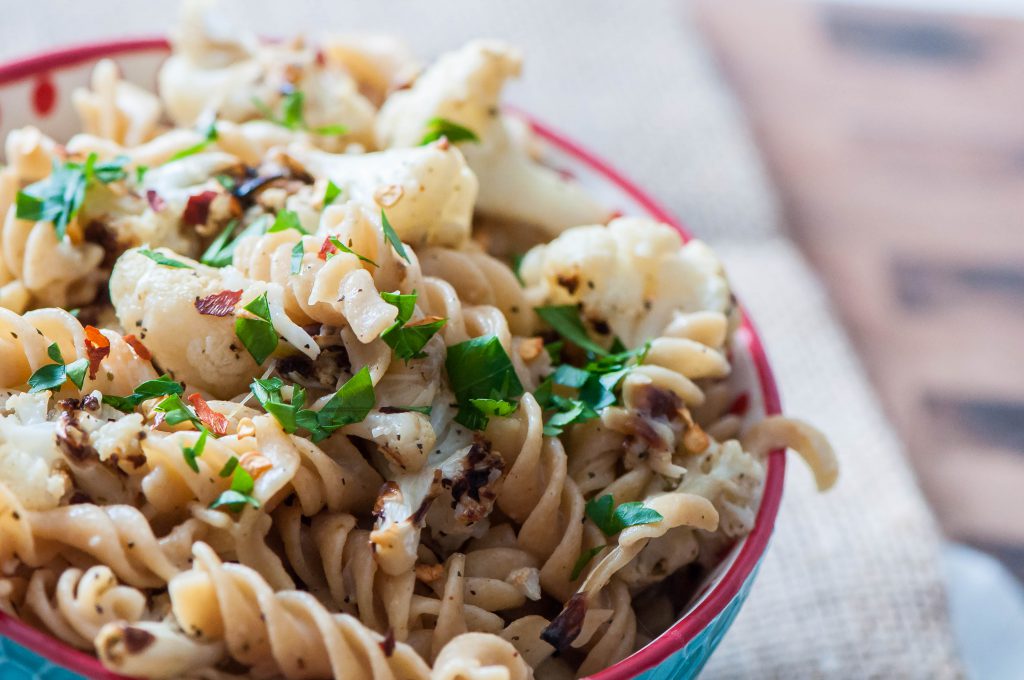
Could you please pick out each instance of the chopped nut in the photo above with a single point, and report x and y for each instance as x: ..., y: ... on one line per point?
x: 246, y: 428
x: 255, y: 463
x: 387, y: 196
x: 428, y: 573
x: 531, y: 348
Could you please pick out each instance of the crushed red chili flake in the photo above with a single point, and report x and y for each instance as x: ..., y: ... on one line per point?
x: 219, y: 304
x: 140, y: 350
x: 327, y: 248
x: 197, y: 210
x: 155, y: 202
x: 740, y: 405
x: 217, y: 423
x: 97, y: 348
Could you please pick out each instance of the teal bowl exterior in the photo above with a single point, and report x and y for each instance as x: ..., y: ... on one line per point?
x: 36, y: 91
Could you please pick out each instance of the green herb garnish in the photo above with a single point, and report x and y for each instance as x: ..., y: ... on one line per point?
x: 392, y: 236
x: 408, y: 340
x: 52, y: 376
x: 336, y: 242
x: 190, y: 453
x: 298, y: 251
x: 160, y: 258
x: 209, y: 137
x: 350, y: 404
x: 287, y: 219
x: 441, y: 127
x: 222, y: 249
x: 293, y: 117
x: 161, y: 387
x: 565, y: 319
x: 480, y: 369
x: 584, y: 560
x: 611, y: 520
x: 176, y: 411
x: 59, y: 197
x: 257, y: 335
x: 240, y: 493
x: 331, y: 193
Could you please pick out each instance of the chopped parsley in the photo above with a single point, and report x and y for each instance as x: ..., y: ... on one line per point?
x: 441, y: 127
x: 176, y: 411
x: 584, y: 560
x: 331, y: 193
x: 140, y: 173
x: 350, y: 404
x: 392, y: 236
x: 160, y: 258
x: 209, y: 137
x: 52, y: 376
x: 480, y: 369
x: 59, y: 197
x: 257, y: 335
x: 222, y: 249
x: 565, y: 319
x: 407, y: 340
x: 576, y: 395
x: 285, y: 220
x: 298, y: 251
x: 517, y: 265
x: 336, y: 242
x: 240, y: 493
x: 293, y: 117
x: 160, y: 387
x: 190, y: 453
x: 611, y: 519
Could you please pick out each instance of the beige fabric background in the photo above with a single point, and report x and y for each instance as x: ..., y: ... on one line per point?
x: 851, y: 587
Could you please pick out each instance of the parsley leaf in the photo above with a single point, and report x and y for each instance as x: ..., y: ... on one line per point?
x: 161, y: 387
x: 258, y: 335
x: 209, y: 136
x: 190, y: 453
x: 160, y: 258
x: 336, y: 242
x: 350, y: 404
x: 611, y: 520
x: 408, y: 340
x: 287, y: 219
x: 441, y: 127
x: 140, y: 173
x: 565, y: 319
x: 240, y: 493
x: 176, y: 411
x: 52, y: 376
x: 222, y: 249
x: 59, y: 197
x: 293, y: 117
x: 392, y: 236
x: 480, y: 369
x: 517, y: 265
x: 298, y: 251
x: 331, y: 193
x: 584, y: 560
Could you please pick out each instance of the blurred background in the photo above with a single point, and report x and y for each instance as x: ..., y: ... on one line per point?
x: 884, y: 139
x: 894, y: 136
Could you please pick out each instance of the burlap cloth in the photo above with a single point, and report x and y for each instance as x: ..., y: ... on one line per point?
x: 851, y: 586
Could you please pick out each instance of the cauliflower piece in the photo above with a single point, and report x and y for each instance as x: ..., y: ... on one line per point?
x: 158, y: 303
x: 427, y: 192
x: 212, y: 69
x: 464, y: 87
x: 629, y: 278
x: 31, y: 463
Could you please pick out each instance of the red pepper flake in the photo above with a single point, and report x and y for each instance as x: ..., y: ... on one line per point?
x: 97, y: 348
x: 740, y: 405
x: 197, y: 210
x: 327, y: 248
x: 219, y: 304
x: 217, y: 423
x: 141, y: 350
x: 155, y: 202
x: 387, y: 645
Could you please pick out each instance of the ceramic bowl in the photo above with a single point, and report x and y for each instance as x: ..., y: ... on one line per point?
x: 37, y: 91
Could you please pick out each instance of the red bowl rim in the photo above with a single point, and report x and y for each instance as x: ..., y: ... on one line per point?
x: 662, y: 647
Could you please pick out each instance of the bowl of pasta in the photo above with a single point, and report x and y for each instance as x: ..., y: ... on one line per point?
x: 320, y: 362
